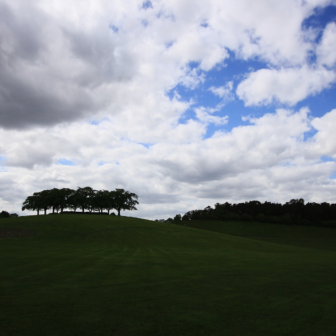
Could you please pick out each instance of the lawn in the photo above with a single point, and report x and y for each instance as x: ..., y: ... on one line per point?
x: 104, y: 275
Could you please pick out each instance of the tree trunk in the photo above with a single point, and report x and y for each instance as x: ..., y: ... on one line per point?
x: 38, y: 212
x: 45, y: 211
x: 108, y: 211
x: 118, y: 212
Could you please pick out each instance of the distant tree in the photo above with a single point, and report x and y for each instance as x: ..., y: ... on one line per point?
x: 83, y: 197
x: 34, y: 203
x: 4, y: 214
x: 295, y: 207
x: 53, y: 199
x: 110, y: 201
x: 101, y: 200
x: 186, y: 217
x: 124, y: 200
x: 73, y: 203
x: 46, y: 200
x: 64, y: 197
x: 177, y: 218
x: 13, y: 215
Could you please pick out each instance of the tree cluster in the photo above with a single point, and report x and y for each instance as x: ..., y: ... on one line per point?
x: 5, y: 214
x: 292, y: 212
x: 82, y: 198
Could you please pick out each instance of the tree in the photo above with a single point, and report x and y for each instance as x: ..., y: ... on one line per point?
x: 101, y: 200
x: 64, y: 198
x: 34, y: 203
x: 124, y: 200
x: 46, y: 200
x: 4, y: 214
x: 53, y: 199
x: 83, y: 197
x: 110, y: 201
x: 177, y: 218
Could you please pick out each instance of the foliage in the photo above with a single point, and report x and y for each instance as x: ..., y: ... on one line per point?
x: 4, y: 214
x: 124, y: 200
x: 83, y: 198
x: 177, y: 218
x: 294, y: 212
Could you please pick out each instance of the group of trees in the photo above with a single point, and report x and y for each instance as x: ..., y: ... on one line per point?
x: 292, y: 212
x: 82, y: 198
x: 5, y: 214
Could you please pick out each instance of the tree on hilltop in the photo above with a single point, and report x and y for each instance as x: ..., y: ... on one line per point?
x: 100, y: 200
x: 83, y: 197
x: 4, y: 214
x: 124, y: 200
x: 34, y: 203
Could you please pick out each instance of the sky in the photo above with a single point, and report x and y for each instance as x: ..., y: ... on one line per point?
x: 185, y: 103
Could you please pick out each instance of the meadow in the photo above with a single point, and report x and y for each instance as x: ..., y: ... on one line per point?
x: 109, y: 275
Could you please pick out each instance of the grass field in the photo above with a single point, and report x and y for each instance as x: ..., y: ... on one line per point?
x: 104, y: 275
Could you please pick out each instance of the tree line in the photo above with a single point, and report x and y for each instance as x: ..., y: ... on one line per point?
x: 83, y: 198
x: 6, y: 214
x: 295, y: 211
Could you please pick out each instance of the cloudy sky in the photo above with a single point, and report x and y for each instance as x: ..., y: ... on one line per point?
x: 184, y: 102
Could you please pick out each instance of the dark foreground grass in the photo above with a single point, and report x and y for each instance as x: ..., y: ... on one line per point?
x: 311, y: 237
x: 83, y: 275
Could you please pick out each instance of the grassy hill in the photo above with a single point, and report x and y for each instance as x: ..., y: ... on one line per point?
x: 292, y: 235
x: 104, y: 275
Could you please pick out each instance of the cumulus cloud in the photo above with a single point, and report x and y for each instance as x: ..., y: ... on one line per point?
x: 224, y: 92
x: 324, y: 142
x: 286, y: 85
x: 92, y: 84
x: 326, y: 50
x: 175, y: 177
x: 204, y: 116
x: 65, y: 62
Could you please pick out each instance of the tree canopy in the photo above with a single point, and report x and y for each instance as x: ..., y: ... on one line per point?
x: 294, y: 212
x: 83, y: 198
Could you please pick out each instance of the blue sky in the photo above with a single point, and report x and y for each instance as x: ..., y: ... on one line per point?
x: 235, y: 68
x: 185, y: 102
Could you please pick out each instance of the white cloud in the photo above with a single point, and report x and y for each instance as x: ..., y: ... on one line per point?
x: 204, y: 116
x: 224, y: 92
x: 62, y: 67
x: 172, y: 177
x: 286, y: 85
x: 62, y: 62
x: 326, y: 50
x: 324, y: 142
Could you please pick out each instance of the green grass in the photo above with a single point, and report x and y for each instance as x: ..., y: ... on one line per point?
x: 92, y: 275
x: 292, y: 235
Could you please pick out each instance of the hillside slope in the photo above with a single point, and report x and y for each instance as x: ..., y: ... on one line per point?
x: 104, y: 275
x: 311, y: 237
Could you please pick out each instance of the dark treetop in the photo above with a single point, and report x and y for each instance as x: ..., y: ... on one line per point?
x: 82, y: 198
